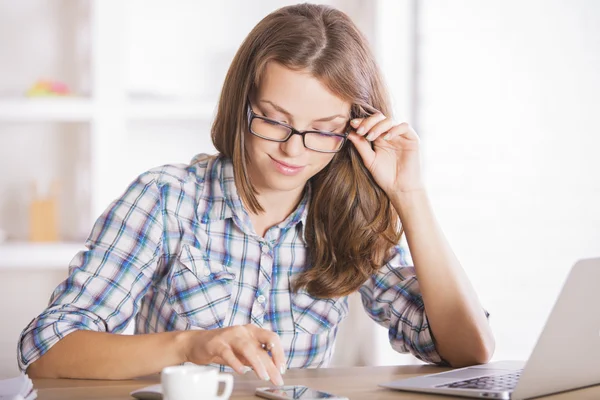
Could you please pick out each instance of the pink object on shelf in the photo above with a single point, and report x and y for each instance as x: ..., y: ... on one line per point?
x: 45, y: 87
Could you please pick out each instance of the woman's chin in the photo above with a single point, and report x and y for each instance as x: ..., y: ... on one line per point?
x: 285, y: 183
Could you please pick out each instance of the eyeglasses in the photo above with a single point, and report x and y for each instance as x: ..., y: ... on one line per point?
x: 266, y: 128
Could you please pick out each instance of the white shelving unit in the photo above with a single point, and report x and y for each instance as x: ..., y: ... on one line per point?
x: 121, y: 123
x: 73, y: 109
x: 25, y: 255
x: 174, y: 110
x: 106, y: 116
x: 46, y: 109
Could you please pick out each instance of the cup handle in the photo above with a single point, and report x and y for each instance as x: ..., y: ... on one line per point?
x: 227, y: 379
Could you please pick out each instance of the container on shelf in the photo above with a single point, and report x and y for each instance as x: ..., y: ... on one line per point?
x: 43, y: 215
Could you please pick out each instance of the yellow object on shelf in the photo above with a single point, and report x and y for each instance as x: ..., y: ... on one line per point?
x: 43, y: 216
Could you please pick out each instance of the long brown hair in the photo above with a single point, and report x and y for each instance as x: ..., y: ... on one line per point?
x: 351, y: 225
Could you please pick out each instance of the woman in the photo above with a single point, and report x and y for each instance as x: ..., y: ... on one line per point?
x: 245, y: 259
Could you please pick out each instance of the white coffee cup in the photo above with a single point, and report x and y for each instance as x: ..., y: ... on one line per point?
x: 194, y: 382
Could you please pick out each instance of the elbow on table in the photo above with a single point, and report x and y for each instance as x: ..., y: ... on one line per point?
x: 36, y: 370
x: 480, y: 353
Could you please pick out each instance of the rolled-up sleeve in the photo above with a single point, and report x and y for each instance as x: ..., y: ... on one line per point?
x: 392, y: 298
x: 107, y: 281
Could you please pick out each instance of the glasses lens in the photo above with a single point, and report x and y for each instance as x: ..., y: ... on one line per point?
x: 269, y: 130
x: 322, y: 142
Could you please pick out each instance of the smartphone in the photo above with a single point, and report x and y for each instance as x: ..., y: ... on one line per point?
x: 296, y: 393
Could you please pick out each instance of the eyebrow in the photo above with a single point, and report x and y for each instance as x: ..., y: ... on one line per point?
x: 288, y: 114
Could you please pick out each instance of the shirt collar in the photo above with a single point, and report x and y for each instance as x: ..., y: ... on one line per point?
x: 213, y: 203
x: 223, y: 200
x: 303, y: 210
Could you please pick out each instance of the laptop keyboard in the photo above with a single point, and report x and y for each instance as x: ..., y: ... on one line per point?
x: 493, y: 382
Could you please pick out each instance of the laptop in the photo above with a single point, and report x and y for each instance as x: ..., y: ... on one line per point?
x: 565, y: 357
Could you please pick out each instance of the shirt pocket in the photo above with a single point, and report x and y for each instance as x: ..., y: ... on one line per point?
x: 199, y: 289
x: 316, y: 315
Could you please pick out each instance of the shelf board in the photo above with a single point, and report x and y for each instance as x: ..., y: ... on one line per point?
x: 25, y: 255
x: 60, y: 109
x: 72, y: 109
x: 166, y: 110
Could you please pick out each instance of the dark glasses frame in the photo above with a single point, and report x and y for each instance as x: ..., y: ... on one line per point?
x: 293, y: 131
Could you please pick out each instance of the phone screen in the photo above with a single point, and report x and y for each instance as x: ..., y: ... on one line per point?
x: 299, y: 393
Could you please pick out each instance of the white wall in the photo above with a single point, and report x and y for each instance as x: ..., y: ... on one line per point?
x: 509, y: 93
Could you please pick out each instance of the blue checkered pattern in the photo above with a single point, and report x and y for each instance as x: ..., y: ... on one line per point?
x: 177, y: 251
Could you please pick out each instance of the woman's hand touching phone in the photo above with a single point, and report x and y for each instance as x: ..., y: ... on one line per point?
x: 241, y: 347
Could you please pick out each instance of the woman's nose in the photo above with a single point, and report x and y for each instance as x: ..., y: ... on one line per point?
x: 294, y: 146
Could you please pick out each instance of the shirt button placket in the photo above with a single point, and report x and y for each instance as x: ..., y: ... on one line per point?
x: 265, y: 248
x: 266, y: 266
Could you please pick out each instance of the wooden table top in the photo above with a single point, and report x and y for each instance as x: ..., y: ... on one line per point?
x: 359, y: 383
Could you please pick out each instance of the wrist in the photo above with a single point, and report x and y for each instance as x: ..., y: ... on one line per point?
x: 403, y: 201
x: 183, y: 342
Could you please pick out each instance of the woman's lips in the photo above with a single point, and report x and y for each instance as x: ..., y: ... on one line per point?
x: 287, y: 169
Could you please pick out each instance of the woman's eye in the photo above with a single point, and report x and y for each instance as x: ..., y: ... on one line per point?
x: 327, y: 130
x: 280, y: 120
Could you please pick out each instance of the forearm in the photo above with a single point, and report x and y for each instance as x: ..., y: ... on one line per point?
x: 99, y: 355
x: 456, y: 317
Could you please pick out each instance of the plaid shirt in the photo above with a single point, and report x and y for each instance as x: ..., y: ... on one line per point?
x: 177, y: 251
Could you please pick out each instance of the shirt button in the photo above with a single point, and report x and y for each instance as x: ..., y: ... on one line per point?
x: 206, y: 272
x: 261, y: 299
x: 265, y: 249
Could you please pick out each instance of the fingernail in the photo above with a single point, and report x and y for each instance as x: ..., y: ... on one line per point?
x: 386, y: 137
x: 246, y: 369
x: 279, y: 382
x: 360, y: 130
x: 370, y: 137
x: 282, y: 370
x: 354, y: 122
x: 266, y: 377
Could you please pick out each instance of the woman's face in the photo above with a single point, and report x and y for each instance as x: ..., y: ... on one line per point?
x: 300, y: 100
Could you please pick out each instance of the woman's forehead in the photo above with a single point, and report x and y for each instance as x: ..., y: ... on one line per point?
x: 299, y: 93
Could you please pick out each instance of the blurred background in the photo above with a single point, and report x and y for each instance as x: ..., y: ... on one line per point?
x: 504, y: 94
